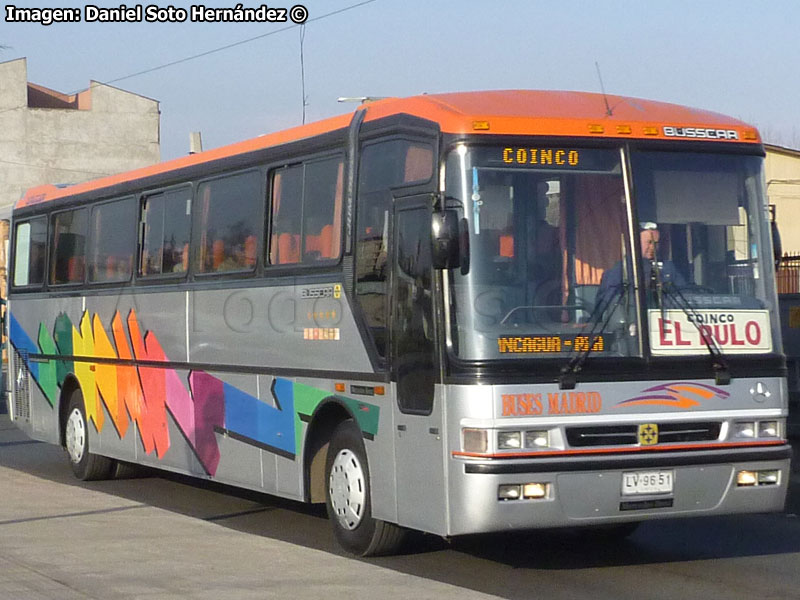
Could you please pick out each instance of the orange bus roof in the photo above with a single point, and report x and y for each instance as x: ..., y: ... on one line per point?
x: 508, y: 112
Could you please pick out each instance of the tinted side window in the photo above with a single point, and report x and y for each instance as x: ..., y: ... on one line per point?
x: 287, y: 215
x: 307, y: 212
x: 384, y: 165
x: 322, y: 214
x: 167, y: 223
x: 68, y: 254
x: 113, y: 241
x: 229, y: 223
x: 393, y: 163
x: 30, y: 239
x: 412, y: 338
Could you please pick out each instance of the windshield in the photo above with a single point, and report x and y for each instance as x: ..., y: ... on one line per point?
x: 544, y: 224
x: 705, y: 250
x: 551, y: 269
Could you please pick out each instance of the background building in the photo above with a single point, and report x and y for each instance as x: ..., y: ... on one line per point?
x: 783, y: 189
x: 50, y: 137
x: 782, y: 169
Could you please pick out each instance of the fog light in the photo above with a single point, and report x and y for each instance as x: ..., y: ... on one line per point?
x: 744, y: 429
x: 746, y: 478
x: 768, y: 429
x: 534, y: 490
x: 475, y: 440
x: 537, y: 439
x: 509, y: 440
x: 509, y: 492
x: 768, y: 477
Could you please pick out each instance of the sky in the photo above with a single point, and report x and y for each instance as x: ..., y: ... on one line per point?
x: 740, y: 58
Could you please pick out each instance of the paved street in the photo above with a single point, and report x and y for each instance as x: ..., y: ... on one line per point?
x: 163, y: 538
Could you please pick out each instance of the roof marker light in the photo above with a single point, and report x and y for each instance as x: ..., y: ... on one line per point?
x: 649, y: 130
x: 750, y: 134
x: 596, y: 128
x: 480, y: 125
x: 624, y: 129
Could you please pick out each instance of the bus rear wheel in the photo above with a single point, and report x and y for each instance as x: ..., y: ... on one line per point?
x: 85, y: 465
x: 348, y: 497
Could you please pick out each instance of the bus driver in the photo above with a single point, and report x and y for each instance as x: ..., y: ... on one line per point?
x: 653, y: 272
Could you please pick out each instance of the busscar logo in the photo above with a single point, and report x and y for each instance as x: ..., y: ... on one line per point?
x: 701, y: 133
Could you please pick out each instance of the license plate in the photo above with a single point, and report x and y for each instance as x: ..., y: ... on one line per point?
x: 647, y: 482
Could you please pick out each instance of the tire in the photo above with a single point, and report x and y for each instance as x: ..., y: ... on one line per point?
x: 348, y: 497
x: 85, y: 465
x: 126, y: 470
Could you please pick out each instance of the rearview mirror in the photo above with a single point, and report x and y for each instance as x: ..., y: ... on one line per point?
x: 444, y: 230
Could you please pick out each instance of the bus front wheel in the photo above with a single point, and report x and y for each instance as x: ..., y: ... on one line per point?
x: 85, y: 465
x: 348, y: 497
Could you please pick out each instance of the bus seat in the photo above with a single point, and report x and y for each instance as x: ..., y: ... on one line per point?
x: 250, y: 250
x: 217, y: 254
x: 312, y: 244
x: 326, y: 242
x: 75, y: 269
x: 288, y: 248
x: 506, y: 245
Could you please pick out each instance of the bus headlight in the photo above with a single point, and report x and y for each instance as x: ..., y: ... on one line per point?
x: 509, y: 492
x: 758, y: 478
x: 537, y: 439
x: 769, y: 477
x: 744, y: 429
x: 534, y: 490
x: 768, y: 429
x: 509, y: 440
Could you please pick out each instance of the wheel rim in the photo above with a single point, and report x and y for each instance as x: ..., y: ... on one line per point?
x: 347, y: 489
x: 76, y: 436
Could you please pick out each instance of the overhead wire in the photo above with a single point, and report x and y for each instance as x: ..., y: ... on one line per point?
x: 195, y: 57
x: 214, y: 50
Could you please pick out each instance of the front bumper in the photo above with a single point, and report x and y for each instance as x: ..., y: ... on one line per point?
x: 588, y: 490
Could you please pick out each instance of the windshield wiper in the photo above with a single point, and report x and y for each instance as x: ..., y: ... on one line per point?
x: 568, y: 377
x: 722, y: 374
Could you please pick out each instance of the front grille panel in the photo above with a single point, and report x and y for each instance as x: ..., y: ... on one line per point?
x: 627, y: 435
x: 604, y: 435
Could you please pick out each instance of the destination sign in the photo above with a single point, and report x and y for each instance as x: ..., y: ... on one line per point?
x: 543, y: 344
x: 548, y: 158
x: 734, y: 331
x: 541, y: 156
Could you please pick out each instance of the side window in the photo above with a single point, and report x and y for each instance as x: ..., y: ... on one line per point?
x: 384, y: 165
x: 229, y: 223
x: 394, y: 163
x: 68, y: 247
x: 167, y: 222
x: 113, y: 241
x: 414, y: 356
x: 287, y: 215
x: 30, y: 243
x: 307, y: 212
x: 322, y: 214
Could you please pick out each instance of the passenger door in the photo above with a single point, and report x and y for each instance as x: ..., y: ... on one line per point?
x: 418, y: 412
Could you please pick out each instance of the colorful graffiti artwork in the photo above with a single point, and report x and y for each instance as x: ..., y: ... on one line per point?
x: 127, y: 379
x: 681, y: 394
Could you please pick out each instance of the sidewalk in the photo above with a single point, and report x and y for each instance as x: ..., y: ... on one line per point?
x: 65, y: 540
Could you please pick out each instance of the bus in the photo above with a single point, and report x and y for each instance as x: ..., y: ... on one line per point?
x: 455, y: 313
